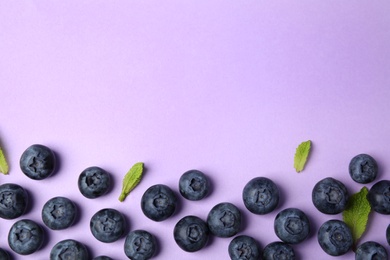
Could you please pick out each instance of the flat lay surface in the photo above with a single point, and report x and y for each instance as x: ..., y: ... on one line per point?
x: 228, y: 88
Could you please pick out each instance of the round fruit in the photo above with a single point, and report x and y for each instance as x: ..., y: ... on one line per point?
x: 13, y: 201
x: 69, y: 249
x: 191, y: 233
x: 94, y: 182
x: 224, y: 220
x: 38, y: 162
x: 25, y: 237
x: 363, y: 168
x: 158, y: 202
x: 278, y: 250
x: 59, y: 213
x: 330, y: 196
x: 260, y: 195
x: 193, y: 185
x: 107, y: 225
x: 370, y: 250
x: 335, y: 237
x: 140, y: 245
x: 244, y: 247
x: 292, y: 226
x: 379, y: 197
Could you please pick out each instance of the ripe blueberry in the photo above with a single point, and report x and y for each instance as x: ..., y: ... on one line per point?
x: 158, y: 202
x: 193, y: 185
x: 292, y: 225
x: 335, y: 237
x: 260, y: 195
x: 102, y: 257
x: 25, y: 237
x: 38, y: 162
x: 69, y: 249
x: 107, y: 225
x: 140, y: 245
x: 379, y: 197
x: 4, y: 255
x: 244, y: 247
x: 13, y: 201
x: 363, y: 168
x: 94, y: 182
x: 224, y: 220
x: 371, y: 250
x: 191, y: 233
x: 59, y: 213
x: 278, y: 250
x: 330, y: 196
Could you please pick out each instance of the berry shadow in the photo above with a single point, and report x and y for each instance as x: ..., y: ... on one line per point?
x: 30, y: 203
x: 78, y: 213
x: 58, y: 163
x: 46, y: 236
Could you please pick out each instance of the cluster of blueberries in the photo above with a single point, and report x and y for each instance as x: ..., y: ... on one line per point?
x: 260, y: 196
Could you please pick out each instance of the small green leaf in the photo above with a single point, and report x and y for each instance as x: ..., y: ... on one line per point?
x: 301, y: 154
x: 356, y: 213
x: 131, y: 180
x: 3, y: 163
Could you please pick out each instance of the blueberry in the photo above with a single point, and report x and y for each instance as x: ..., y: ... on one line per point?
x: 13, y: 201
x: 140, y: 245
x: 330, y: 196
x: 277, y: 251
x: 388, y: 234
x: 69, y: 249
x: 191, y: 233
x: 371, y: 250
x: 335, y: 237
x: 363, y: 168
x: 59, y: 213
x: 102, y: 257
x: 224, y: 220
x: 107, y: 225
x: 244, y: 247
x: 379, y: 197
x: 25, y: 237
x: 193, y: 185
x: 158, y: 202
x: 38, y: 162
x: 292, y: 225
x: 94, y: 182
x: 260, y: 195
x: 4, y: 255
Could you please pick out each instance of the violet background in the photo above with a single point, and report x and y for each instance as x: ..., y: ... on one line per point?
x: 227, y: 87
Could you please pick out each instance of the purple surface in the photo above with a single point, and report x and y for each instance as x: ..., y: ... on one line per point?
x: 226, y: 87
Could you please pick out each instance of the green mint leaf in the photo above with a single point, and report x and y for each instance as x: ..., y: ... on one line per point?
x: 3, y: 163
x: 356, y: 213
x: 131, y: 179
x: 301, y: 154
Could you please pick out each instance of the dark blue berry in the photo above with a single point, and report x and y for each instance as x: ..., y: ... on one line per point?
x: 292, y: 225
x: 4, y: 255
x: 388, y: 234
x: 13, y: 201
x: 25, y: 237
x: 191, y: 233
x: 244, y: 247
x: 193, y: 185
x: 371, y: 250
x: 260, y: 195
x: 69, y: 249
x: 224, y: 220
x: 335, y: 237
x: 379, y: 197
x: 330, y: 196
x: 278, y: 251
x: 140, y: 245
x: 94, y: 182
x: 38, y: 162
x: 59, y: 213
x: 107, y: 225
x: 363, y: 168
x: 158, y: 202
